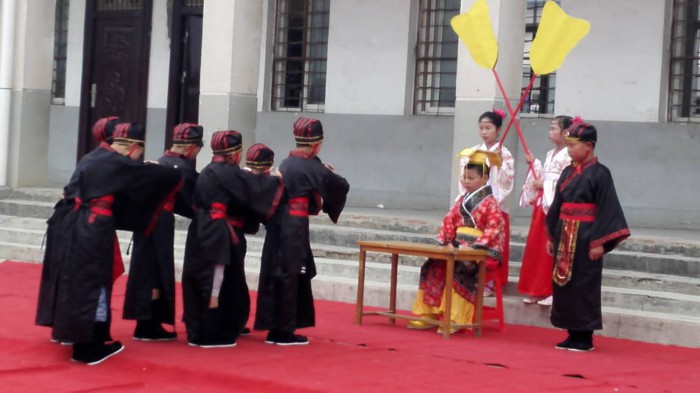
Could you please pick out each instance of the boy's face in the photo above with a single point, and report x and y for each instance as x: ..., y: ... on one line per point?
x: 473, y: 181
x: 579, y: 151
x: 488, y: 131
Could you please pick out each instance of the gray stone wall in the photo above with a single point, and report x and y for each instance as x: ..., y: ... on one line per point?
x: 654, y: 166
x: 396, y: 161
x: 63, y: 143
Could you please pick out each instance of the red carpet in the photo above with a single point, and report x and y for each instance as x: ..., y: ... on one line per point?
x: 341, y: 357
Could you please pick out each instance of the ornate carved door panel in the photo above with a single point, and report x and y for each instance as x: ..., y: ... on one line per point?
x: 115, y: 68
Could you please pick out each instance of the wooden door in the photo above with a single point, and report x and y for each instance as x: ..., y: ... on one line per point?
x: 115, y: 68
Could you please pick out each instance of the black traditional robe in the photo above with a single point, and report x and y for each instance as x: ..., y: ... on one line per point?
x: 585, y: 214
x: 153, y: 260
x: 56, y: 232
x: 113, y: 192
x: 224, y: 193
x: 285, y: 299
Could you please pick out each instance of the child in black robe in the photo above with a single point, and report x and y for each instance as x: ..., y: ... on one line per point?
x: 150, y: 289
x: 214, y: 289
x: 114, y: 191
x: 56, y: 228
x: 285, y: 300
x: 584, y: 222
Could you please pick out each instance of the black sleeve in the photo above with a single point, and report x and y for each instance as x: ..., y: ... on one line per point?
x: 334, y: 192
x: 260, y: 193
x: 610, y: 227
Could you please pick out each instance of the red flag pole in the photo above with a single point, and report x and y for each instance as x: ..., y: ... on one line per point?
x: 513, y: 119
x: 517, y: 109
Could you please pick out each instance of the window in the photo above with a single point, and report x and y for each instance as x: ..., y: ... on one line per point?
x: 540, y: 100
x: 436, y: 58
x: 300, y: 52
x: 58, y: 86
x: 119, y: 5
x: 684, y: 84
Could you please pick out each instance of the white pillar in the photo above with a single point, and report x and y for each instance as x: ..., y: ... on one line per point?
x: 477, y: 91
x: 230, y: 68
x: 7, y: 37
x: 31, y: 94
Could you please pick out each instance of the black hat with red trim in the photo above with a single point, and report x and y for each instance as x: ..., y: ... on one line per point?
x: 127, y: 133
x: 104, y: 128
x: 259, y: 156
x: 307, y: 131
x: 188, y: 134
x: 224, y: 142
x: 583, y: 132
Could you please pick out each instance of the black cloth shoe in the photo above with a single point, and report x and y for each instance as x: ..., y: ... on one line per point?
x: 582, y: 341
x: 271, y: 337
x: 245, y: 331
x: 289, y: 338
x: 566, y: 344
x: 92, y: 354
x: 217, y: 344
x: 581, y: 346
x: 152, y: 331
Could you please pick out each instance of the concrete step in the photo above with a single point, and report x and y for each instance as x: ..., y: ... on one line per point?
x: 26, y: 208
x: 31, y: 230
x: 628, y: 297
x: 635, y: 280
x: 39, y: 202
x: 662, y: 328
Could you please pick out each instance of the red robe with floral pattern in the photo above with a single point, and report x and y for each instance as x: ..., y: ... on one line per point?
x: 478, y: 210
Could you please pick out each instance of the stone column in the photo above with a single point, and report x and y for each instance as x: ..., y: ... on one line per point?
x: 477, y: 90
x: 230, y: 65
x: 31, y: 94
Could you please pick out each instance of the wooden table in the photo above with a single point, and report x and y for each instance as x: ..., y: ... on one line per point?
x: 447, y: 253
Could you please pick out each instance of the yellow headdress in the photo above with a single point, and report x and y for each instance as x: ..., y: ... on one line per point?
x: 485, y: 158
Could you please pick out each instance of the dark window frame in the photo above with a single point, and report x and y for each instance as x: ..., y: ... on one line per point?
x: 60, y: 53
x: 684, y: 64
x: 300, y: 53
x: 540, y: 100
x: 435, y: 82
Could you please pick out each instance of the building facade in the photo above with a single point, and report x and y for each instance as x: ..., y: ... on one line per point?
x: 397, y: 94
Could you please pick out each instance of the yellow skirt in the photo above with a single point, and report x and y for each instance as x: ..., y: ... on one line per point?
x: 462, y: 310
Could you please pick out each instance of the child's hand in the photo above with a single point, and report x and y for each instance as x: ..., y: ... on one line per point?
x: 538, y: 184
x: 529, y: 157
x: 550, y: 248
x: 596, y: 253
x: 214, y: 302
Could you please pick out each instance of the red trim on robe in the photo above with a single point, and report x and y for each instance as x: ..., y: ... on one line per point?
x: 618, y: 236
x: 577, y: 169
x: 276, y: 200
x: 156, y: 213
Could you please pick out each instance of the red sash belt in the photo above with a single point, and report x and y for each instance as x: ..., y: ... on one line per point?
x: 218, y: 211
x: 299, y: 206
x: 102, y: 206
x: 582, y: 212
x: 169, y: 204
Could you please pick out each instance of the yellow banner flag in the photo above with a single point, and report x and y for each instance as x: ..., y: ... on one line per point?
x: 557, y: 34
x: 474, y: 28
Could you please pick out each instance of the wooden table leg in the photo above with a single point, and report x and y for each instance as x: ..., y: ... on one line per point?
x: 360, y: 287
x: 449, y: 278
x: 480, y: 296
x: 392, y: 289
